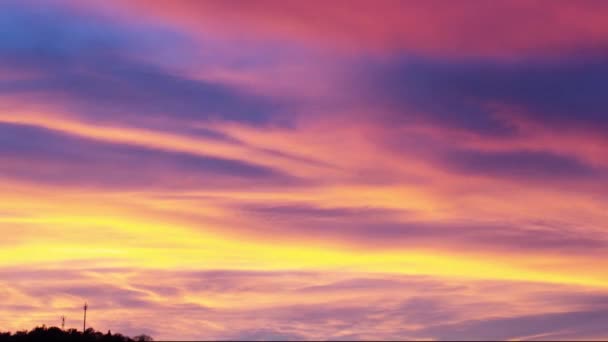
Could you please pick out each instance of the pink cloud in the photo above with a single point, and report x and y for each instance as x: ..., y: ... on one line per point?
x: 464, y: 28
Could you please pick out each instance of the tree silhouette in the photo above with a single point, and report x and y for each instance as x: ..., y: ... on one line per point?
x: 54, y: 334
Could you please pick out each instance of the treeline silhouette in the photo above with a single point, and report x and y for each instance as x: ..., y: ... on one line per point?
x: 56, y: 334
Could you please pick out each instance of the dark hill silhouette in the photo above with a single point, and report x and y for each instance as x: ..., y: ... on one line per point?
x: 55, y: 334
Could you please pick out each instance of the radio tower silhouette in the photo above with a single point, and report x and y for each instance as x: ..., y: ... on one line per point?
x: 84, y: 323
x: 62, y: 322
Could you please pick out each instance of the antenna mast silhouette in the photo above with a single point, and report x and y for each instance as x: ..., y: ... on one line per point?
x: 62, y: 322
x: 84, y: 323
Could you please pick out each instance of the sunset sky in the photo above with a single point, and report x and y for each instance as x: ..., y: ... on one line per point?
x: 335, y: 169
